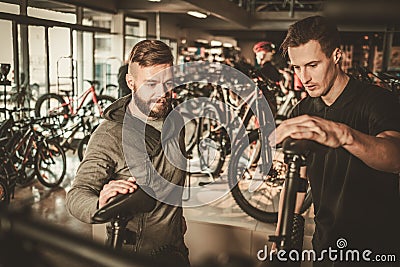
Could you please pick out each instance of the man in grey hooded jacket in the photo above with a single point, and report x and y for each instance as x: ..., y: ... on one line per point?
x: 135, y: 146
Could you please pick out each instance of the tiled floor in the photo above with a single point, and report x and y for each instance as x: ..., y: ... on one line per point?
x: 215, y: 229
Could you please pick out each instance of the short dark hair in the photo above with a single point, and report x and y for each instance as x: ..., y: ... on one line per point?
x: 316, y: 28
x: 151, y: 52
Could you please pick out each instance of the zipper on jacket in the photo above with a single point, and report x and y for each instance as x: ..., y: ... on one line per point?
x: 139, y: 233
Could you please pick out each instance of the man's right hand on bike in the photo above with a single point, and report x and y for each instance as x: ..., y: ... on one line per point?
x: 114, y: 187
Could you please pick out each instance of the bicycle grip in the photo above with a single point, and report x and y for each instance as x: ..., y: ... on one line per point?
x: 126, y: 205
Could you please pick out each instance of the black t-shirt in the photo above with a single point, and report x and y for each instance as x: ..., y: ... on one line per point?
x: 351, y: 200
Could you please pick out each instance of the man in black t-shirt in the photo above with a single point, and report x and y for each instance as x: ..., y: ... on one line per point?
x: 354, y: 171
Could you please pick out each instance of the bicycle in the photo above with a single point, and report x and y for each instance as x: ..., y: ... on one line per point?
x: 68, y: 135
x: 255, y: 187
x: 213, y: 114
x: 64, y: 107
x: 255, y: 190
x: 223, y: 124
x: 24, y: 148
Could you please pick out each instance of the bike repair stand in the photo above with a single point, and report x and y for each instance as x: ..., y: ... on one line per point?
x: 291, y: 227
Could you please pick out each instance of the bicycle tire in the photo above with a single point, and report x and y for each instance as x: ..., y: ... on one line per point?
x: 82, y: 146
x: 4, y: 191
x: 190, y: 132
x: 51, y: 165
x: 307, y: 201
x: 254, y: 204
x: 104, y: 101
x: 211, y: 150
x: 109, y: 90
x: 57, y: 106
x: 28, y: 173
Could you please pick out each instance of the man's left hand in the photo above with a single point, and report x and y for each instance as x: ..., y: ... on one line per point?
x: 328, y: 133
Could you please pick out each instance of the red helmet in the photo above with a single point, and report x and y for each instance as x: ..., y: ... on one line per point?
x: 263, y: 46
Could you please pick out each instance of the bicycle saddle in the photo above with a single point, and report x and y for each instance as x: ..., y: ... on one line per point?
x: 297, y: 146
x: 125, y: 205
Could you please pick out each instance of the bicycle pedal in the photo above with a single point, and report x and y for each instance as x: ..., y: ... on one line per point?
x: 204, y: 183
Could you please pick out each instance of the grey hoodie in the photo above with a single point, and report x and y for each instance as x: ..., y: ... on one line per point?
x: 160, y: 230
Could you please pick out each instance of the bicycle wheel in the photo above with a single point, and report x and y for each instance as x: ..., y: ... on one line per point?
x: 25, y: 164
x: 250, y: 189
x: 190, y: 132
x: 257, y: 194
x: 110, y: 90
x: 4, y: 191
x: 82, y: 146
x: 51, y: 105
x: 103, y: 102
x: 211, y: 142
x: 51, y: 164
x: 307, y: 201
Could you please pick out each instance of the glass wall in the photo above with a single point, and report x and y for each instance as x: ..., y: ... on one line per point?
x: 6, y: 57
x: 6, y: 48
x: 135, y: 31
x: 37, y: 61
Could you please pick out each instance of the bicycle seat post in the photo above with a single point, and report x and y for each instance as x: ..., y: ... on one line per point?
x: 118, y: 226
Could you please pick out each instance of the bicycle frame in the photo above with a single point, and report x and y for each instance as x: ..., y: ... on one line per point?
x: 9, y: 164
x: 82, y: 97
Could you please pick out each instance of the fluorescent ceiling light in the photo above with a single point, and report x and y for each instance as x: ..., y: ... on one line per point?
x: 154, y: 0
x: 197, y: 14
x: 216, y: 43
x: 203, y: 41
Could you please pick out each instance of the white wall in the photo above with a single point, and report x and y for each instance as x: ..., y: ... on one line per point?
x: 6, y: 46
x: 6, y: 54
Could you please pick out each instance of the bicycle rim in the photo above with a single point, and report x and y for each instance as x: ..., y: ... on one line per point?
x: 52, y: 105
x: 255, y: 194
x: 190, y: 132
x: 103, y: 101
x: 4, y: 191
x: 82, y: 147
x: 51, y: 165
x: 211, y: 153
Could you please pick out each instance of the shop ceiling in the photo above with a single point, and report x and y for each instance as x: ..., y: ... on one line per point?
x: 244, y: 19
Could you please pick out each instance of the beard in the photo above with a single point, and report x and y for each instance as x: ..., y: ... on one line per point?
x: 157, y: 108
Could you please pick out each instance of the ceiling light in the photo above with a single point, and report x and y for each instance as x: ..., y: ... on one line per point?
x: 197, y: 14
x: 216, y: 43
x: 154, y: 0
x: 202, y: 41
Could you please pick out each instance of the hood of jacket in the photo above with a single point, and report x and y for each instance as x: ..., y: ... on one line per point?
x: 116, y: 111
